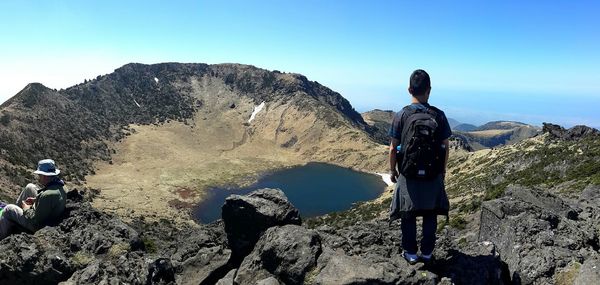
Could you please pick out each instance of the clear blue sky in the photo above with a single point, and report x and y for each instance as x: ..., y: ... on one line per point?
x: 531, y: 61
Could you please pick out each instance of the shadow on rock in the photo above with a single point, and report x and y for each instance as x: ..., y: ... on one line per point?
x: 463, y: 268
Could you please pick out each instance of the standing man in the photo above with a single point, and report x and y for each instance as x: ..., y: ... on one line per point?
x: 418, y: 158
x: 36, y: 207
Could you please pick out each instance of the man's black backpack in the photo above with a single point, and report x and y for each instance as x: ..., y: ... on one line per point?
x: 422, y: 153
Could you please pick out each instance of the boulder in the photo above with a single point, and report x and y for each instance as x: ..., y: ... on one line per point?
x: 228, y: 278
x: 161, y: 272
x: 335, y: 267
x: 368, y: 239
x: 202, y: 265
x: 542, y: 200
x: 536, y: 233
x: 286, y: 253
x: 199, y: 255
x: 246, y: 218
x: 268, y: 281
x: 27, y: 259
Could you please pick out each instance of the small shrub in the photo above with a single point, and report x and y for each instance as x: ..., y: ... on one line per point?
x: 462, y: 242
x: 441, y: 226
x: 469, y: 207
x: 458, y: 222
x: 5, y: 119
x: 118, y: 250
x: 81, y: 259
x: 149, y: 244
x: 493, y: 193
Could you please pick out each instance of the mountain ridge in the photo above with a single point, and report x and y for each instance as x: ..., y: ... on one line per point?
x: 491, y: 134
x: 464, y: 127
x: 500, y: 125
x: 204, y: 107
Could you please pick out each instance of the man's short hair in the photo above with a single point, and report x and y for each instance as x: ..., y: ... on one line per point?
x: 419, y: 82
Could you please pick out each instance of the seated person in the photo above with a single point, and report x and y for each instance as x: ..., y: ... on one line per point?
x: 36, y: 207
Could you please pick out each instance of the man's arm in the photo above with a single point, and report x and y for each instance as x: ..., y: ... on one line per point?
x: 29, y: 217
x: 38, y: 214
x: 394, y: 142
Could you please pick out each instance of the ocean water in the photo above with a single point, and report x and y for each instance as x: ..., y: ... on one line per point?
x: 314, y: 189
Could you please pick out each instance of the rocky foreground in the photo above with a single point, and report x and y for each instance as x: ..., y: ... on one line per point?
x: 527, y: 236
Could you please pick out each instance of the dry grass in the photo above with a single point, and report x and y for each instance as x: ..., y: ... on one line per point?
x: 161, y: 164
x: 161, y: 169
x: 567, y: 275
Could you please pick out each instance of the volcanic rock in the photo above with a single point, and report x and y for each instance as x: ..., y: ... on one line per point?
x: 246, y: 218
x: 573, y: 133
x: 536, y: 233
x: 288, y: 252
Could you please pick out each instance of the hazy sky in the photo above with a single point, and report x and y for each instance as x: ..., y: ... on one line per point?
x: 531, y: 61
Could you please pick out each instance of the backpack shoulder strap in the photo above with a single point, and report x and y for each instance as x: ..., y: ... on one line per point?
x: 405, y: 113
x: 409, y: 111
x: 435, y: 112
x: 412, y: 110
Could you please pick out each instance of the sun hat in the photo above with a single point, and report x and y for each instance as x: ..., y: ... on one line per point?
x: 47, y: 167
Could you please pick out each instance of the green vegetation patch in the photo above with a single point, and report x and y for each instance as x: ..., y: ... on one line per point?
x: 458, y: 222
x: 548, y: 165
x: 360, y: 212
x: 469, y: 206
x: 5, y: 119
x: 569, y: 164
x: 150, y: 245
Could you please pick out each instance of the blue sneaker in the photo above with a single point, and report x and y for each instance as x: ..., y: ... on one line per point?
x: 426, y: 258
x: 410, y: 258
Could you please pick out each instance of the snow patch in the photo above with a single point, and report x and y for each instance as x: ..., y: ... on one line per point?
x: 387, y: 178
x: 256, y: 110
x: 156, y: 79
x: 136, y: 103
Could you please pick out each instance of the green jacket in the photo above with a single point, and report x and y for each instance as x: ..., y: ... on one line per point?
x: 49, y: 205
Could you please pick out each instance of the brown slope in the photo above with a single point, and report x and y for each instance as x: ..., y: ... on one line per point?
x: 218, y: 146
x: 39, y: 122
x: 380, y: 122
x: 197, y: 111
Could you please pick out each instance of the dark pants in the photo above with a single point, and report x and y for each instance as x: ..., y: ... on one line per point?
x: 408, y: 225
